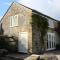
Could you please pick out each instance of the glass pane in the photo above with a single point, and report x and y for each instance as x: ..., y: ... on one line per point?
x: 50, y: 44
x: 47, y: 43
x: 16, y: 20
x: 10, y: 21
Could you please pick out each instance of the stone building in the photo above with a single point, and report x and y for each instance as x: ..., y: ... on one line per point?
x: 16, y: 22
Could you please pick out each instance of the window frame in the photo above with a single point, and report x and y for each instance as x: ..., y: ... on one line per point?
x: 13, y: 22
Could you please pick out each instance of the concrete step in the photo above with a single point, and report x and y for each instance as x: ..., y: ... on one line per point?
x: 33, y: 57
x: 58, y: 57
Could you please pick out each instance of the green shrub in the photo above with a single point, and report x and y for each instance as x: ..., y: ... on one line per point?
x: 9, y: 43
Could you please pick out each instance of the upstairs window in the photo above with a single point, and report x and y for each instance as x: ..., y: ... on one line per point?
x: 51, y: 23
x: 14, y: 21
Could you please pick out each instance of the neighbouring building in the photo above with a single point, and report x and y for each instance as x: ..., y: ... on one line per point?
x: 16, y: 22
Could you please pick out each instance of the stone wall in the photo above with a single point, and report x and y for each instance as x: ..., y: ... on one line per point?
x: 17, y: 9
x: 35, y: 40
x: 24, y: 20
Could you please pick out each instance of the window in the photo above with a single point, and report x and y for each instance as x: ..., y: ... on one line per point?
x: 51, y: 23
x: 51, y: 41
x: 14, y: 21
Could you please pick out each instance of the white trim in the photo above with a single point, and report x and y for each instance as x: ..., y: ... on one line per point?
x: 50, y: 49
x: 14, y: 21
x: 51, y: 41
x: 23, y: 42
x: 11, y: 21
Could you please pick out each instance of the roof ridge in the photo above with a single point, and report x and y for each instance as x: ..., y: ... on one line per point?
x: 28, y: 8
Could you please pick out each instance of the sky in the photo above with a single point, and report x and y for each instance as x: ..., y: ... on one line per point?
x: 47, y: 7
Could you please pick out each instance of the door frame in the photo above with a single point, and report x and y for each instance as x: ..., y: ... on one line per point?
x: 19, y: 40
x: 52, y: 41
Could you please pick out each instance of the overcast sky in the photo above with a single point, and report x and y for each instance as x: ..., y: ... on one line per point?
x: 48, y: 7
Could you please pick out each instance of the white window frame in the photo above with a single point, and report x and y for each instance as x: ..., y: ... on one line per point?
x: 52, y: 40
x: 14, y: 21
x: 51, y: 23
x: 11, y: 21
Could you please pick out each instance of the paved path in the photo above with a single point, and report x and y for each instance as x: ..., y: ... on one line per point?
x: 58, y: 57
x: 50, y: 55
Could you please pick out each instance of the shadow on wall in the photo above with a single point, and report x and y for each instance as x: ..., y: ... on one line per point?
x: 35, y: 41
x: 1, y: 30
x: 9, y: 43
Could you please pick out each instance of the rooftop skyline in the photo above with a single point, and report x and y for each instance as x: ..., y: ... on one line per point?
x: 47, y: 7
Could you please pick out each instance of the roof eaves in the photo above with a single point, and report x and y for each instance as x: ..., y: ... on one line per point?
x: 33, y: 10
x: 39, y: 13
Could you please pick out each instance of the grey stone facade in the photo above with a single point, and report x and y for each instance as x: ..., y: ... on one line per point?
x: 24, y: 14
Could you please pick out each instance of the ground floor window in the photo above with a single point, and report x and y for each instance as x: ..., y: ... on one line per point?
x: 51, y: 41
